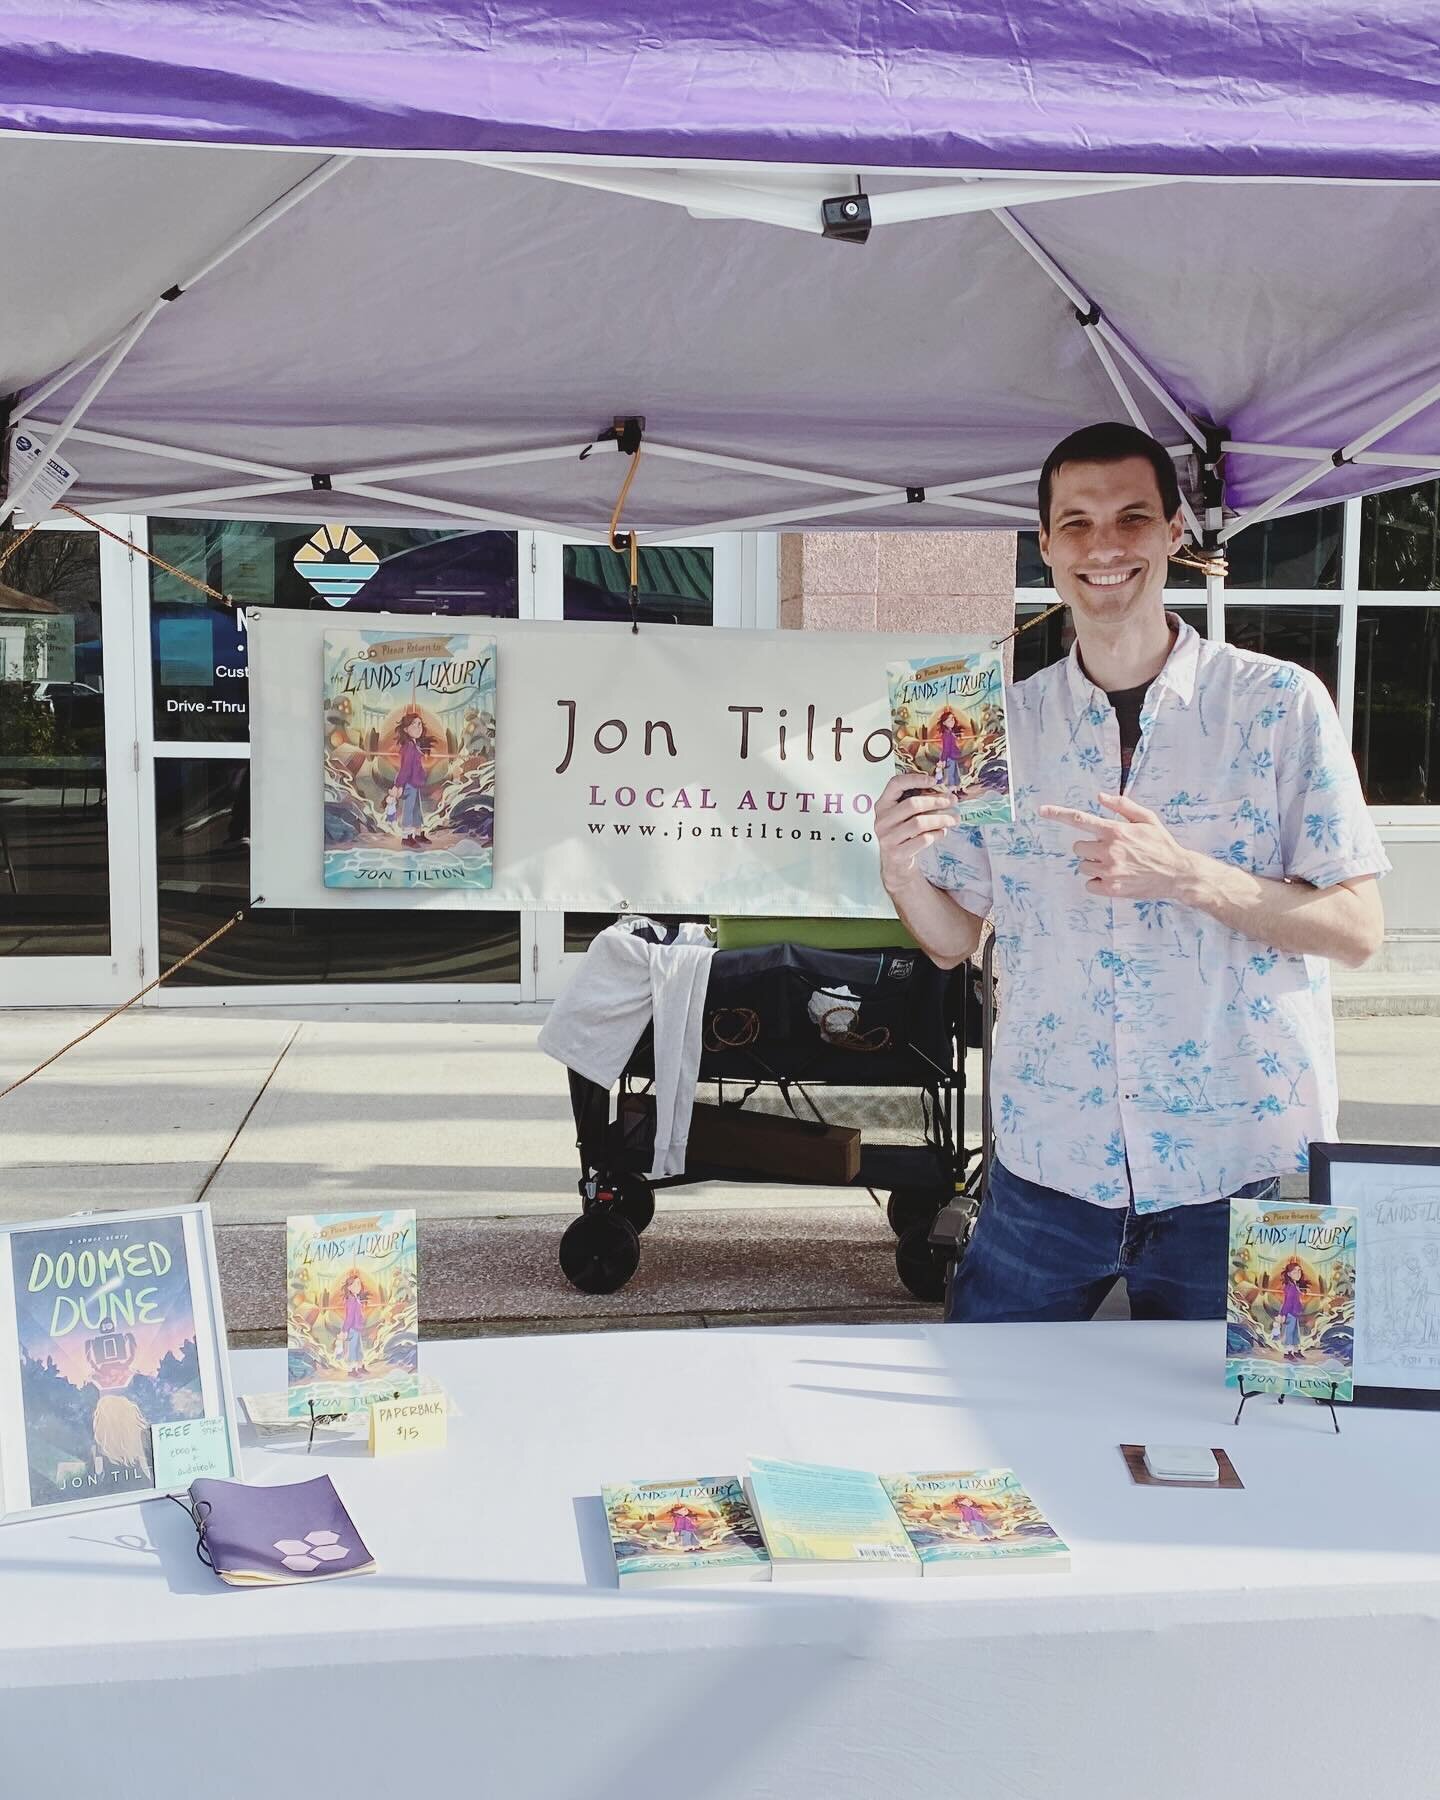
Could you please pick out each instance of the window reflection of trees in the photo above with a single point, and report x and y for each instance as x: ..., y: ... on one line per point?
x: 50, y: 675
x: 1400, y: 539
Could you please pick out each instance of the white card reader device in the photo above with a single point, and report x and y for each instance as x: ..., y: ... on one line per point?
x: 1178, y: 1462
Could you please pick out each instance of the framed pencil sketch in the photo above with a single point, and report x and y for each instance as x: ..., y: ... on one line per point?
x: 110, y: 1324
x: 1395, y: 1189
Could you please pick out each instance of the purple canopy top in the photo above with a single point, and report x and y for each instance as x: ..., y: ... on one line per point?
x: 434, y: 328
x: 1295, y: 88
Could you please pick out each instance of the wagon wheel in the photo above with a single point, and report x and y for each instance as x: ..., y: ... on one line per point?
x: 635, y: 1200
x: 631, y: 1196
x: 909, y: 1206
x: 920, y: 1265
x: 600, y: 1251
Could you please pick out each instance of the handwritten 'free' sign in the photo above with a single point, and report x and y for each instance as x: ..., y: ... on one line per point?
x: 186, y: 1449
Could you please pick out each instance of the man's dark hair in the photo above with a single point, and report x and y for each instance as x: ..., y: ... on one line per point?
x: 1110, y: 443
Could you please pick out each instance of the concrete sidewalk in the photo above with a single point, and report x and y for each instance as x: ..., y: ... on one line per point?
x: 276, y: 1111
x: 270, y: 1111
x: 455, y: 1112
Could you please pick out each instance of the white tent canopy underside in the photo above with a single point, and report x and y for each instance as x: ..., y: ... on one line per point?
x: 417, y: 340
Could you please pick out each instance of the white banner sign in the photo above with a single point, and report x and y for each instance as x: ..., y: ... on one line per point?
x: 677, y: 770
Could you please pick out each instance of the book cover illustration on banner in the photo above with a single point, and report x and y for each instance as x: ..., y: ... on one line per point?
x: 1290, y: 1313
x: 947, y: 717
x: 352, y: 1310
x: 683, y: 1531
x: 975, y: 1520
x: 108, y: 1348
x: 409, y: 760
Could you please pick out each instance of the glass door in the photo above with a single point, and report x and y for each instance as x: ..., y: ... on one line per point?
x: 69, y: 886
x: 193, y: 685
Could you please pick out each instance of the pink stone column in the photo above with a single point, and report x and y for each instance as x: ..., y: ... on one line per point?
x: 913, y: 581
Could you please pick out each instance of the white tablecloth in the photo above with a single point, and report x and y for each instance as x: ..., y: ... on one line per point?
x: 1284, y: 1638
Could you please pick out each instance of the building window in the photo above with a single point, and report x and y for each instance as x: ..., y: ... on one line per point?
x: 676, y: 586
x: 1400, y: 540
x: 54, y: 815
x: 1307, y: 635
x: 198, y: 647
x: 1397, y: 689
x: 1038, y: 646
x: 1299, y: 552
x: 202, y: 842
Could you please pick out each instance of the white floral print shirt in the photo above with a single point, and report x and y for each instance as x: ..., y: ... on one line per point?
x: 1140, y: 1041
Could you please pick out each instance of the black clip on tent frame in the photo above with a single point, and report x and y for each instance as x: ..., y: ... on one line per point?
x: 627, y: 433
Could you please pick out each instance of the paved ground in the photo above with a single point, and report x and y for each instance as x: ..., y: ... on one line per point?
x: 272, y: 1111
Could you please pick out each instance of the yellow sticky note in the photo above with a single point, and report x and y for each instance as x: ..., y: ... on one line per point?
x: 415, y: 1424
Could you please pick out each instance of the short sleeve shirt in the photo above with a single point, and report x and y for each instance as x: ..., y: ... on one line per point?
x: 1141, y: 1045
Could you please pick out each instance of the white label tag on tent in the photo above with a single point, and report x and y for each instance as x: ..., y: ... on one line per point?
x: 55, y: 477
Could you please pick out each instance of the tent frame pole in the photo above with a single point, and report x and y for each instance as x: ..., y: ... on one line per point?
x: 499, y: 521
x: 1137, y: 418
x: 864, y: 496
x: 121, y: 346
x: 1103, y: 338
x: 1087, y: 308
x: 1385, y: 459
x: 1336, y: 459
x: 207, y: 459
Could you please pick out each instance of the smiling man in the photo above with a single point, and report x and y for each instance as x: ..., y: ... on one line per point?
x: 1190, y: 845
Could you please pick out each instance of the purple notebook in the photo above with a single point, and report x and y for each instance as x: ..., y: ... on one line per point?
x: 261, y: 1536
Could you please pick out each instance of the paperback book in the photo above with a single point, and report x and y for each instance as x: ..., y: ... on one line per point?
x: 700, y: 1529
x: 975, y: 1521
x: 352, y: 1310
x: 947, y: 719
x: 822, y: 1522
x: 409, y: 760
x: 1290, y: 1313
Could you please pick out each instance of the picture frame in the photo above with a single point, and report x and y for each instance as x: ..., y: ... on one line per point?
x: 110, y: 1323
x: 1395, y: 1189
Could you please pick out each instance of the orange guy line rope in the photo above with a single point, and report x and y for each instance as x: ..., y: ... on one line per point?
x: 174, y: 969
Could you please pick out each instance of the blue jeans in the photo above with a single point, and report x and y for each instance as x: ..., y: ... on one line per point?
x: 1039, y: 1254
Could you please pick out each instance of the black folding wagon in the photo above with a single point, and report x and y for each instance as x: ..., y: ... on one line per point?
x: 797, y: 1020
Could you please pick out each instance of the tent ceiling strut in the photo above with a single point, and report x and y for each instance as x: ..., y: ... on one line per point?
x: 121, y: 346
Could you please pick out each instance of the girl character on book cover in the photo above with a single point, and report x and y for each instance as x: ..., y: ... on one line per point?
x: 120, y: 1437
x: 949, y: 729
x: 685, y: 1527
x: 414, y: 743
x: 353, y: 1326
x: 972, y: 1515
x: 1292, y: 1306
